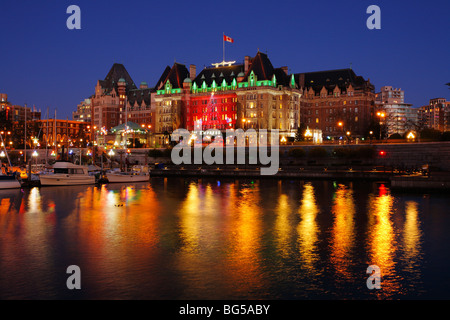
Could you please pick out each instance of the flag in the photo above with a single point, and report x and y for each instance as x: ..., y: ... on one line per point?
x: 228, y: 39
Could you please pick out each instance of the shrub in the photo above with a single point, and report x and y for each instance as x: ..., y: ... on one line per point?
x: 431, y: 134
x: 297, y: 153
x: 155, y: 153
x: 365, y: 152
x: 395, y: 136
x: 167, y: 153
x: 318, y: 152
x: 341, y: 152
x: 445, y: 136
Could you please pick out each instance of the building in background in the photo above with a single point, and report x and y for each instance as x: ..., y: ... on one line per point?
x: 336, y: 102
x: 436, y: 115
x: 67, y: 133
x: 389, y: 95
x: 117, y: 100
x: 83, y: 112
x: 228, y: 95
x: 398, y: 117
x: 267, y: 97
x: 12, y: 123
x: 170, y: 101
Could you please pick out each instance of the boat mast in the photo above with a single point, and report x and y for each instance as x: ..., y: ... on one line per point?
x: 6, y: 152
x: 54, y: 135
x: 46, y: 142
x: 25, y: 130
x: 126, y: 131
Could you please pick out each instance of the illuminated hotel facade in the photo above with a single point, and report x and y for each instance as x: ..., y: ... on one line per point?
x: 251, y: 94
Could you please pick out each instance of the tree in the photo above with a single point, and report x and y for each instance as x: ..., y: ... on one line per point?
x: 431, y: 134
x: 300, y: 134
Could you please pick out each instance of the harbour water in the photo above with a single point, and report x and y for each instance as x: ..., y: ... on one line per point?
x: 180, y: 238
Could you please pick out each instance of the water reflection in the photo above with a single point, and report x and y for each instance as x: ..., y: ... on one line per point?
x: 244, y: 240
x: 343, y: 233
x: 382, y: 244
x: 412, y: 248
x: 283, y: 226
x: 205, y: 239
x: 308, y: 229
x: 412, y: 234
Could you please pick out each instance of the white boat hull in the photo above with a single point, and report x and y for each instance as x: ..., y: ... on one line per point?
x: 120, y: 177
x: 65, y: 179
x: 9, y: 184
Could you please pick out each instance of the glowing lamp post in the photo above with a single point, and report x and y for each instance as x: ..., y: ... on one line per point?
x: 35, y: 155
x: 381, y: 115
x: 308, y: 134
x: 2, y: 156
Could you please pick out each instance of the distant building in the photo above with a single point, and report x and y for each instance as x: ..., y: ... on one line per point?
x: 12, y: 122
x: 83, y: 112
x: 436, y: 115
x: 4, y: 103
x: 17, y: 113
x: 389, y: 95
x: 399, y: 117
x: 108, y: 103
x: 336, y: 102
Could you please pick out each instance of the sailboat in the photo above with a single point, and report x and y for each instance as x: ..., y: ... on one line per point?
x: 8, y: 180
x: 137, y: 174
x: 66, y: 173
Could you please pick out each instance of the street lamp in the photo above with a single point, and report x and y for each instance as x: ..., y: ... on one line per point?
x: 341, y: 124
x: 371, y: 133
x: 348, y: 136
x: 381, y: 115
x: 308, y: 134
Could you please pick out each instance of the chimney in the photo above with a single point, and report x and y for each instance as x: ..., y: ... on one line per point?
x: 192, y: 71
x: 285, y: 69
x: 246, y: 63
x: 302, y: 80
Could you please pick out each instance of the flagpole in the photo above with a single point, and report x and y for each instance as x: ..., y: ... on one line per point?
x: 223, y: 42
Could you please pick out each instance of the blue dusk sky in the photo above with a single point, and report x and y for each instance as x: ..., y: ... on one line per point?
x: 45, y: 64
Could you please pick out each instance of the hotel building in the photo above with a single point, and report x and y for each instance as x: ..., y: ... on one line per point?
x: 251, y: 94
